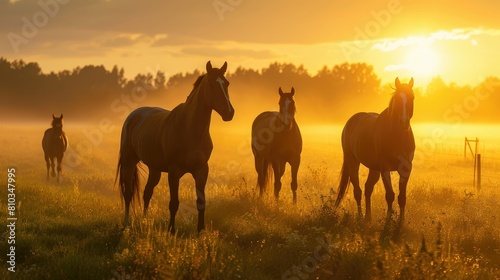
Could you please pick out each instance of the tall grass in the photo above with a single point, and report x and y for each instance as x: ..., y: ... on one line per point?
x: 72, y: 230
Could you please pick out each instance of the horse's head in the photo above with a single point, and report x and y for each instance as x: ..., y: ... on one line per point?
x: 287, y: 107
x: 217, y: 94
x: 401, y: 106
x: 57, y: 123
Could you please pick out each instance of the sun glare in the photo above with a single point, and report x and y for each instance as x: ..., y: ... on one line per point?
x: 423, y: 61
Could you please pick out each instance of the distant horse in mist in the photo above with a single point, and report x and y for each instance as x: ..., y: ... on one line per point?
x: 177, y: 142
x: 54, y: 144
x: 382, y: 142
x: 276, y: 140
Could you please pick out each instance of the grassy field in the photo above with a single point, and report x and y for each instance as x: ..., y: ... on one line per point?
x: 72, y: 230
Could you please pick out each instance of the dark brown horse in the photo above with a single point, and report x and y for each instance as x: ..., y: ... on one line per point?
x: 177, y: 142
x: 54, y: 144
x: 276, y: 140
x: 382, y: 142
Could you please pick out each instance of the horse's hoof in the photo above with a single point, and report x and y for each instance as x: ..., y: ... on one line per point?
x: 171, y: 229
x: 202, y: 232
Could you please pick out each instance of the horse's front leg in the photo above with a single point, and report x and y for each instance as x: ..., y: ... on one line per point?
x: 279, y: 170
x: 47, y: 163
x: 295, y: 169
x: 404, y: 171
x: 200, y: 177
x: 53, y: 167
x: 173, y: 184
x: 59, y: 167
x: 403, y: 182
x: 389, y: 192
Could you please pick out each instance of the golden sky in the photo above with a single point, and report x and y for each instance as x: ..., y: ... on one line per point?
x: 458, y: 40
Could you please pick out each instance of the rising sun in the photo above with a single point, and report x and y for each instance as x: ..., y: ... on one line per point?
x: 423, y: 61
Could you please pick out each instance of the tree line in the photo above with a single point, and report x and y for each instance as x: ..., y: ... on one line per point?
x: 332, y: 94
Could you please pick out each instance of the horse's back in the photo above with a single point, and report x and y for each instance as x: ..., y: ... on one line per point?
x: 144, y: 118
x: 145, y: 113
x: 141, y: 135
x: 143, y: 121
x: 361, y: 121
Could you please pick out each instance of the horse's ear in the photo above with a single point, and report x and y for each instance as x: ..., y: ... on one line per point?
x: 398, y: 83
x: 209, y: 66
x: 61, y: 116
x: 411, y: 82
x: 292, y: 91
x: 280, y: 91
x: 224, y: 67
x: 53, y: 117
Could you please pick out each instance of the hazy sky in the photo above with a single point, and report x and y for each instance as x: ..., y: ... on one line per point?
x: 458, y: 40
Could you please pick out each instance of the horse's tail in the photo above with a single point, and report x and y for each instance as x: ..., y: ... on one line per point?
x: 131, y: 190
x: 343, y: 184
x: 267, y: 175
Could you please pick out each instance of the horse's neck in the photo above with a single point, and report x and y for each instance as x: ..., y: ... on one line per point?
x: 196, y: 114
x: 56, y: 131
x: 391, y: 130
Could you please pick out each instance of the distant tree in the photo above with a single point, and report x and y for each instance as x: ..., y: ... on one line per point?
x: 333, y: 94
x: 435, y: 86
x: 160, y: 81
x: 357, y: 78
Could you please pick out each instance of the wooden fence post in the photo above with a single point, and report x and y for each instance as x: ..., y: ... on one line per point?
x: 478, y: 164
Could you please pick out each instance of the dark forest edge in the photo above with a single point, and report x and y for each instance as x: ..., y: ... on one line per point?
x: 331, y: 95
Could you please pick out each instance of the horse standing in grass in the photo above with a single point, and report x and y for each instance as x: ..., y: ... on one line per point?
x: 54, y: 144
x: 382, y: 142
x: 276, y: 140
x: 177, y: 142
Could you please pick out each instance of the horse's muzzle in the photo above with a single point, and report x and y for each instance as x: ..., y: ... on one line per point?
x: 228, y: 115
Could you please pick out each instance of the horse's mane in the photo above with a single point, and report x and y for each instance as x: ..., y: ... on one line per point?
x: 198, y: 81
x: 196, y: 85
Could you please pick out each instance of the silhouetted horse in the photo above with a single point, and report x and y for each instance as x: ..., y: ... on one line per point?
x: 276, y: 140
x: 383, y: 143
x: 177, y: 142
x: 54, y: 144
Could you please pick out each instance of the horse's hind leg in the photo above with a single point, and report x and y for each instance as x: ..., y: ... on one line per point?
x: 127, y: 173
x: 353, y: 168
x: 59, y: 167
x: 47, y: 163
x: 173, y: 184
x: 373, y: 177
x: 153, y: 179
x: 279, y: 170
x: 295, y: 169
